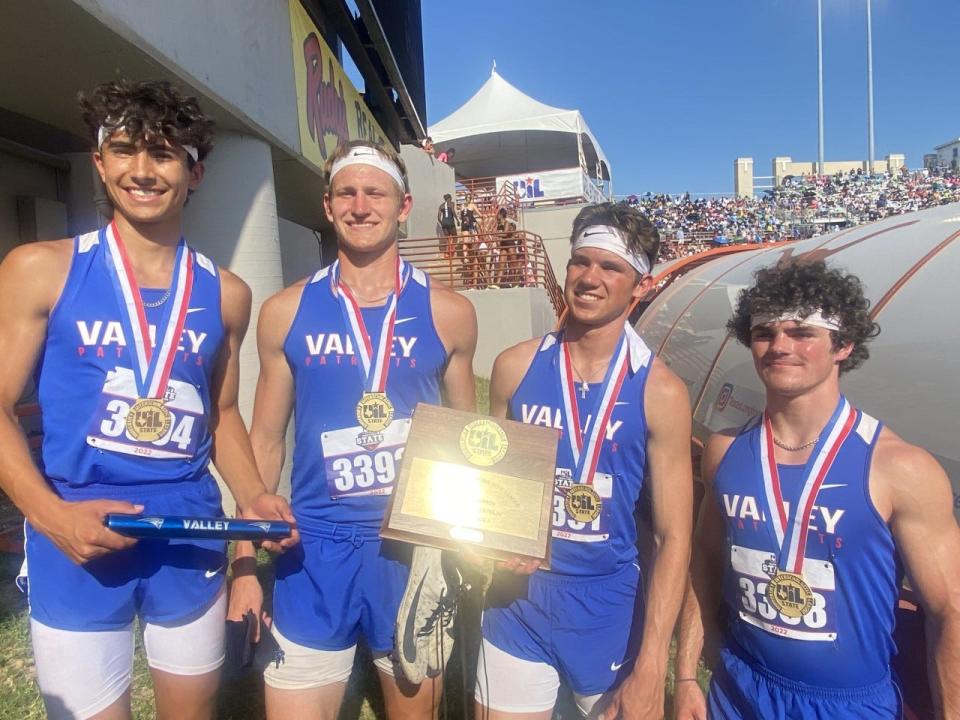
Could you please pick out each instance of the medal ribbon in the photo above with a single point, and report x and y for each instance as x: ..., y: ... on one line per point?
x: 791, y: 531
x: 587, y: 454
x: 374, y: 368
x: 152, y: 365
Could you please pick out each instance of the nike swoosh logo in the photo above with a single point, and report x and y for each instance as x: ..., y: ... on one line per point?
x: 409, y: 642
x: 403, y: 320
x: 595, y: 232
x: 211, y: 573
x: 193, y: 310
x: 827, y: 486
x: 617, y: 666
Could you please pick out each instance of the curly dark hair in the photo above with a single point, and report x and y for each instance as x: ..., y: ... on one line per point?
x: 640, y: 234
x: 807, y: 287
x: 147, y: 110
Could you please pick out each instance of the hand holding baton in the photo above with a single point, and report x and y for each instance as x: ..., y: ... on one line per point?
x: 197, y: 528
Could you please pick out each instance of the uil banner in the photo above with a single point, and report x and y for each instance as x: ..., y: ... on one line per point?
x: 330, y: 110
x: 547, y: 185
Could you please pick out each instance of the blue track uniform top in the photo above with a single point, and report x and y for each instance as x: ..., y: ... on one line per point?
x: 335, y: 478
x: 86, y: 380
x: 850, y: 564
x: 604, y: 545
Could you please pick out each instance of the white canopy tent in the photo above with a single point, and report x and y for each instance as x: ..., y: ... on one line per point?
x: 501, y: 131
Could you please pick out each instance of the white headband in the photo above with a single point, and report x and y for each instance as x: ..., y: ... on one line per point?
x: 363, y: 155
x: 609, y: 238
x: 816, y: 319
x: 103, y: 133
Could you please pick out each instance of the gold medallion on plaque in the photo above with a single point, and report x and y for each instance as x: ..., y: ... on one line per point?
x: 790, y: 594
x: 148, y: 420
x: 374, y: 411
x: 483, y: 442
x: 583, y: 503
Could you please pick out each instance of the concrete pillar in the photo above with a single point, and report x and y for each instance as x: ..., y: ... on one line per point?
x: 743, y: 177
x: 232, y: 218
x: 780, y: 169
x: 81, y: 189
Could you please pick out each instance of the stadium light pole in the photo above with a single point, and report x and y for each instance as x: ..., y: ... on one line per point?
x: 820, y: 87
x: 869, y: 90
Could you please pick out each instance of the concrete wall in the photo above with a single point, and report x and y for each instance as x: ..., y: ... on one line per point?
x: 299, y: 251
x: 553, y: 224
x: 249, y: 68
x: 783, y: 166
x: 79, y: 194
x: 949, y: 153
x: 429, y: 180
x: 506, y: 317
x: 743, y: 177
x: 21, y: 177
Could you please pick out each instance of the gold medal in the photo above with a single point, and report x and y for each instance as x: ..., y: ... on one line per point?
x: 583, y: 503
x: 148, y: 420
x: 374, y: 412
x: 483, y: 442
x: 790, y: 594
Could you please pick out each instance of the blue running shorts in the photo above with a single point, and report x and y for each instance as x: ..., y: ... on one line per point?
x: 340, y: 582
x: 588, y: 628
x: 742, y: 691
x: 161, y: 581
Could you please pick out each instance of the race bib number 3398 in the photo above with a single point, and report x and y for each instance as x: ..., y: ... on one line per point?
x: 753, y: 571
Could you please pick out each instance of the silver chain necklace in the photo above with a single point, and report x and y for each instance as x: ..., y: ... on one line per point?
x: 157, y: 303
x: 796, y: 448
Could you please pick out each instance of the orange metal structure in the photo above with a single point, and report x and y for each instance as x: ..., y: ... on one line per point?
x: 486, y: 260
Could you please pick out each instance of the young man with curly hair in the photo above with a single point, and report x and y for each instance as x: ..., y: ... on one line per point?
x: 594, y: 621
x: 135, y: 338
x: 351, y: 350
x: 813, y: 510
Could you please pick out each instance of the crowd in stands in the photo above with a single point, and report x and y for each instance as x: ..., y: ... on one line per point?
x: 802, y: 206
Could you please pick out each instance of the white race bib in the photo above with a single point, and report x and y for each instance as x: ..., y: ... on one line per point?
x: 753, y: 569
x: 567, y: 528
x: 108, y: 428
x: 355, y: 470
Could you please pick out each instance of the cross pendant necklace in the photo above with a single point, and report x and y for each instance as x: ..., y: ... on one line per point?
x: 584, y: 389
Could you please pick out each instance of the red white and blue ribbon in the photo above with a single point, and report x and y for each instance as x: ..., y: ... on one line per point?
x: 152, y: 357
x: 586, y: 451
x: 791, y: 528
x: 374, y: 359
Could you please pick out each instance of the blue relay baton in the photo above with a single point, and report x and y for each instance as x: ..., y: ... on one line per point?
x: 196, y: 528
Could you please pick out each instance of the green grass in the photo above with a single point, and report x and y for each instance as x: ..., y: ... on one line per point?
x: 242, y: 699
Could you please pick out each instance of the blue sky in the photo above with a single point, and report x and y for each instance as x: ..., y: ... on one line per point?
x: 675, y: 90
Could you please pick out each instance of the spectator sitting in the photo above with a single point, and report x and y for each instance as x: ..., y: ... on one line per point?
x: 446, y: 156
x: 427, y: 145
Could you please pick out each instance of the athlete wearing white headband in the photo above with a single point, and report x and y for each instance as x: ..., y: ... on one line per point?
x: 104, y: 133
x: 816, y: 319
x: 606, y: 237
x: 365, y: 155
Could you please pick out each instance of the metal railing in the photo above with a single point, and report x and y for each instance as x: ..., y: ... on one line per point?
x: 486, y: 260
x: 490, y: 199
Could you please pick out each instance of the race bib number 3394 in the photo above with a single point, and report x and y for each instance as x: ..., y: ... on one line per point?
x: 111, y: 428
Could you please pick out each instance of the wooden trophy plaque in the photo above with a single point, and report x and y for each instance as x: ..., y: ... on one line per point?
x: 470, y: 480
